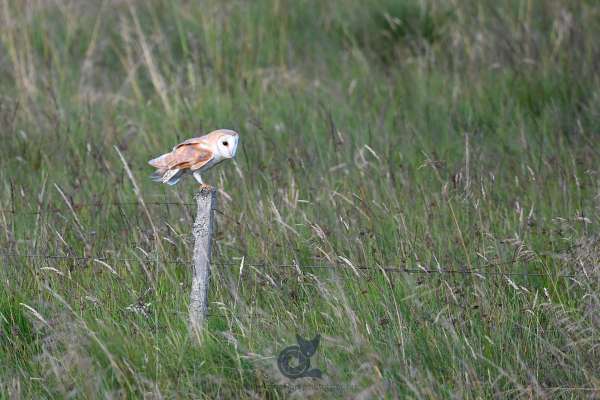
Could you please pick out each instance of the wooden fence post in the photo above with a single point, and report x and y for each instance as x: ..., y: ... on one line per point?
x: 206, y: 200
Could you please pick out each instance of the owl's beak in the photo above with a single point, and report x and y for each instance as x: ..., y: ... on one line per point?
x: 235, y: 146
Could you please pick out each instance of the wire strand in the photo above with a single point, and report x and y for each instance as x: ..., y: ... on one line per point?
x: 77, y: 206
x: 340, y: 266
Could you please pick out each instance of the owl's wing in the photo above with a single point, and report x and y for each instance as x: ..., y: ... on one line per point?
x: 195, y: 140
x: 190, y: 154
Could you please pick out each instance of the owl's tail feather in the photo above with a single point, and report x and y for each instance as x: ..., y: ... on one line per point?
x: 157, y: 176
x: 161, y: 162
x: 173, y: 179
x: 168, y: 176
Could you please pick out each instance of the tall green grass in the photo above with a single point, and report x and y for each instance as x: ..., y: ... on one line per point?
x: 417, y: 134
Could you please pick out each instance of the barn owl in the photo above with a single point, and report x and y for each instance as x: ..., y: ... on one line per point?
x: 195, y: 155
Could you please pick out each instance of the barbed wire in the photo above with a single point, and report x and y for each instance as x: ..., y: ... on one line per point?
x: 477, y: 270
x: 78, y: 206
x: 98, y: 204
x: 463, y: 270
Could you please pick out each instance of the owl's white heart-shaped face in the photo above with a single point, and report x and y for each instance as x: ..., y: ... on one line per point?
x: 227, y: 144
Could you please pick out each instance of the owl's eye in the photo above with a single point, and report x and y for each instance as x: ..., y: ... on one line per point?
x: 226, y: 143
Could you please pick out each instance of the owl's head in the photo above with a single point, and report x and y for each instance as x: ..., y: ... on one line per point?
x: 226, y: 142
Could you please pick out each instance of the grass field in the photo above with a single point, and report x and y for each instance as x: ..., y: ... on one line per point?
x: 418, y: 134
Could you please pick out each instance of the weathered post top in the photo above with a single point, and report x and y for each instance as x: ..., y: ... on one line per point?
x: 206, y: 200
